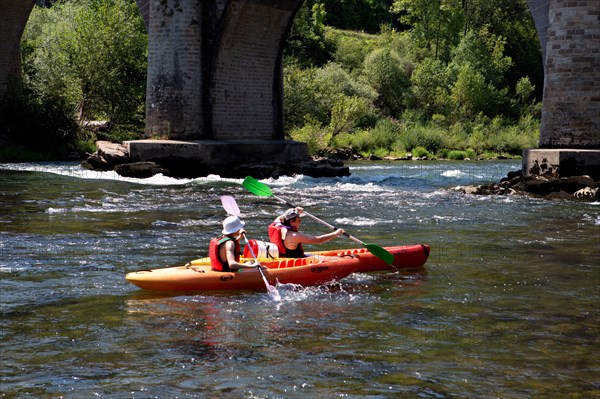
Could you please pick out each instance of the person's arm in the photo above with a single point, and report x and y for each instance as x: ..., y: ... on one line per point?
x: 230, y: 254
x: 300, y: 238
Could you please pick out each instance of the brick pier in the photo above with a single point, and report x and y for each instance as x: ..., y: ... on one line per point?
x: 569, y: 33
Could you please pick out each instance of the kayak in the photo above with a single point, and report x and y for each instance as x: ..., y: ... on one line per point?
x: 317, y: 268
x: 198, y: 275
x: 405, y: 257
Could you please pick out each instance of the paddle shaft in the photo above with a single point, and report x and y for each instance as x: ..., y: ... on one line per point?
x: 313, y: 217
x: 269, y: 286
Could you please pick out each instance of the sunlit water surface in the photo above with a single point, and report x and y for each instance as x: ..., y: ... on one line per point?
x: 506, y: 306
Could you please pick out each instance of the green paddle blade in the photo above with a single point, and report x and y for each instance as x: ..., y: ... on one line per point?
x: 381, y: 253
x: 256, y: 187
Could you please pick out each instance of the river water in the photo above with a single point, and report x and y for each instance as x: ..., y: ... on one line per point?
x: 506, y: 306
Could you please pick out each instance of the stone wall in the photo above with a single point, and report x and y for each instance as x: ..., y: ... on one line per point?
x: 174, y: 83
x: 246, y: 85
x: 571, y: 103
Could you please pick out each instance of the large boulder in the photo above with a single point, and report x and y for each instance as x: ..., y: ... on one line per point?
x: 140, y: 170
x: 113, y: 153
x: 96, y: 162
x: 587, y: 193
x: 572, y: 184
x: 540, y: 185
x: 107, y: 156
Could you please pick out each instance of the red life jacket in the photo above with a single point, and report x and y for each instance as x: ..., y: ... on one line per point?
x: 214, y: 250
x: 275, y: 229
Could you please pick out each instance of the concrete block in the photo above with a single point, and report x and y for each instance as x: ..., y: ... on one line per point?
x: 562, y: 162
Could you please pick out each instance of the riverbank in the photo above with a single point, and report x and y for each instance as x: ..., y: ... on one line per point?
x: 115, y: 156
x: 180, y: 162
x: 145, y: 158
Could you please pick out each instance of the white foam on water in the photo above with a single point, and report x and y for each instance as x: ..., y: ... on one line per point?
x: 76, y: 171
x: 453, y: 173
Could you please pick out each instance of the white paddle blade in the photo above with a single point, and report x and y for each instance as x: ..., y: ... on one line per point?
x: 230, y: 205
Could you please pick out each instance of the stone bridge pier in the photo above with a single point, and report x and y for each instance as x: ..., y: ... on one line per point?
x: 569, y: 33
x: 215, y: 82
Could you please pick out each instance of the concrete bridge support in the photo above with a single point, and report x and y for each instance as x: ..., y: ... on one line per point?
x: 569, y: 33
x: 174, y: 91
x: 214, y: 68
x: 215, y: 77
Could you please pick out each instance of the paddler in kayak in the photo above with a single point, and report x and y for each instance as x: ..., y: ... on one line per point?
x: 224, y: 251
x: 284, y: 233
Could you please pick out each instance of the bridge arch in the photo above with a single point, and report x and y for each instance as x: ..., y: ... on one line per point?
x: 246, y: 93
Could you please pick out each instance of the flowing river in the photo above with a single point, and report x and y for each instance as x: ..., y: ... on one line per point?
x: 506, y: 306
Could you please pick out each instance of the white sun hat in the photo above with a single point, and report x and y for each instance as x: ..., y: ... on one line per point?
x: 232, y: 224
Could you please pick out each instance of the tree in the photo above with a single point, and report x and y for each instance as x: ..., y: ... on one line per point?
x: 360, y: 15
x: 389, y: 75
x: 91, y: 53
x: 435, y: 24
x: 306, y: 44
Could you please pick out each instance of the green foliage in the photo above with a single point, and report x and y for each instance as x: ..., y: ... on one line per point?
x: 420, y: 152
x: 314, y: 92
x: 457, y: 155
x: 389, y: 75
x: 436, y: 24
x: 430, y: 87
x: 314, y: 135
x: 484, y: 53
x: 91, y: 54
x: 366, y: 15
x: 431, y: 138
x: 348, y: 113
x: 380, y: 140
x: 37, y: 122
x: 307, y: 44
x: 351, y: 48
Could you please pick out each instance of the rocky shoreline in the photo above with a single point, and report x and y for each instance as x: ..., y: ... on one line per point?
x: 115, y: 156
x: 582, y: 188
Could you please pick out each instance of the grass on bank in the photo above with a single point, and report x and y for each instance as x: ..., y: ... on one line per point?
x: 482, y: 139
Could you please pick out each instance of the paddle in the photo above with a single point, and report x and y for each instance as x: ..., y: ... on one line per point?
x: 262, y: 190
x: 232, y: 208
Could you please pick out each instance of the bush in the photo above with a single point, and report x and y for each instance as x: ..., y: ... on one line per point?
x: 351, y: 48
x: 457, y: 155
x: 389, y: 75
x: 314, y: 135
x: 348, y: 113
x: 431, y: 138
x: 90, y: 54
x: 37, y: 122
x: 420, y: 152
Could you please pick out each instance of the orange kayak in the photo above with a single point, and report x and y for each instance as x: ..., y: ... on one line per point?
x: 197, y: 275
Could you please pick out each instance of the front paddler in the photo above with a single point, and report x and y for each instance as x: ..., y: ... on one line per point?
x: 224, y: 251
